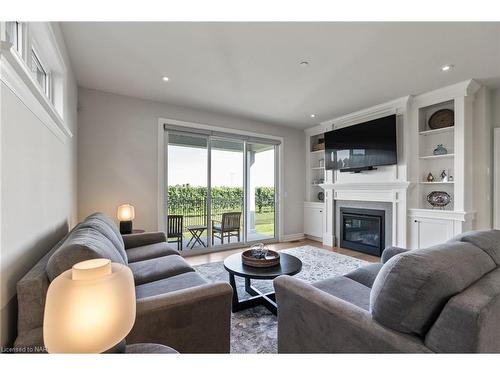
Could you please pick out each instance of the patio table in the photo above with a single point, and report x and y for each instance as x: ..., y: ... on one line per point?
x: 196, y: 232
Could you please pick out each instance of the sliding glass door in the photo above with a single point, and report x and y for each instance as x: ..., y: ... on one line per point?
x: 261, y: 197
x: 221, y: 190
x: 187, y: 190
x: 226, y: 191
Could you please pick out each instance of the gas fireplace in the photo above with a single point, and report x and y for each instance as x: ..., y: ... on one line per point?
x: 362, y: 230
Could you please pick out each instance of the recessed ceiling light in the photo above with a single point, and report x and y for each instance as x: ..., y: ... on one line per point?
x: 165, y: 78
x: 445, y: 68
x: 304, y: 64
x: 312, y: 115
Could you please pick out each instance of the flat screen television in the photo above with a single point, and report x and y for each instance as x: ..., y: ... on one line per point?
x: 363, y: 146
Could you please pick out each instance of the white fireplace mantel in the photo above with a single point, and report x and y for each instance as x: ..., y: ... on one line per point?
x: 388, y: 191
x: 390, y: 185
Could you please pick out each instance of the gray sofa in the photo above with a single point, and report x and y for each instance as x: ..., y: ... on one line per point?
x: 175, y: 305
x: 443, y: 299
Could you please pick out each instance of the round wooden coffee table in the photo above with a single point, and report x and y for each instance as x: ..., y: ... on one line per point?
x: 289, y: 265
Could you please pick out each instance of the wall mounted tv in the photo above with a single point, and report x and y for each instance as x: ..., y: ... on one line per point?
x: 363, y: 146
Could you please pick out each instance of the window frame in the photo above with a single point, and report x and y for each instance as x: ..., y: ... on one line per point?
x: 48, y: 104
x: 18, y: 35
x: 35, y: 58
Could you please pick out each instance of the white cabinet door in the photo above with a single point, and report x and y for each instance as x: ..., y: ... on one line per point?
x: 425, y: 232
x: 313, y: 221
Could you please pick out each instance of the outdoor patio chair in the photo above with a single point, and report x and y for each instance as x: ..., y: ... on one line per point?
x: 227, y: 227
x: 174, y: 229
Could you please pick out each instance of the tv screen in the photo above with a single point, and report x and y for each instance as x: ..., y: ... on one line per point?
x: 362, y: 146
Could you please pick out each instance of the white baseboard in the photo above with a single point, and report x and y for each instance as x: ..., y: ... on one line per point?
x: 314, y: 238
x: 292, y: 237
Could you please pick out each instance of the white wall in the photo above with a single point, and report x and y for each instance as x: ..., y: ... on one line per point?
x: 38, y: 191
x: 117, y: 155
x: 495, y: 108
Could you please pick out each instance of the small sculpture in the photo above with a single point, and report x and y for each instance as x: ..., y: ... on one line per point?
x: 430, y: 177
x: 444, y: 175
x: 440, y: 150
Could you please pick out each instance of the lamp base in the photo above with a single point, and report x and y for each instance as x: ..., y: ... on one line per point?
x: 126, y: 227
x: 118, y: 348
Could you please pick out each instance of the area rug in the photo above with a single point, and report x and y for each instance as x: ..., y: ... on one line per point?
x: 255, y: 330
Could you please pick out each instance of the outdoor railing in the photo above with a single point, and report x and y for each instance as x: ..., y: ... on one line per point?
x: 194, y: 211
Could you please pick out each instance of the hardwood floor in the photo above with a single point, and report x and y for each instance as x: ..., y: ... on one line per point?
x: 221, y: 255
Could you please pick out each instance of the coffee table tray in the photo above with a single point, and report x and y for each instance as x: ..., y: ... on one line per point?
x: 272, y: 259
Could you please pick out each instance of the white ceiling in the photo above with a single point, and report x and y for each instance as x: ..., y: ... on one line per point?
x: 252, y: 70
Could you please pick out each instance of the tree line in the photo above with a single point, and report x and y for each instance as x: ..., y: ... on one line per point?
x: 190, y: 198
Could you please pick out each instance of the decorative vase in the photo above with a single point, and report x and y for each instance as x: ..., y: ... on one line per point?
x: 440, y: 150
x: 430, y: 177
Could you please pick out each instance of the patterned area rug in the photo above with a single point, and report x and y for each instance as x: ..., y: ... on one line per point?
x: 255, y: 330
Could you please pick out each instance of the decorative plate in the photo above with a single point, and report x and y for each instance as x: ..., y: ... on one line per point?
x: 444, y: 118
x: 439, y: 199
x: 321, y: 196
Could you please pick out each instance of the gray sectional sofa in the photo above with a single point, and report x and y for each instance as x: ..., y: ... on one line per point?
x: 443, y: 299
x: 175, y: 305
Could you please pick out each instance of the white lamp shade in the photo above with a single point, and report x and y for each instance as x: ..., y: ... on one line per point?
x: 90, y: 308
x: 126, y: 212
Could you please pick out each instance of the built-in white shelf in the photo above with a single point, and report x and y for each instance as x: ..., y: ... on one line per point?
x: 437, y: 131
x: 437, y: 156
x: 437, y: 183
x: 318, y: 168
x: 317, y: 152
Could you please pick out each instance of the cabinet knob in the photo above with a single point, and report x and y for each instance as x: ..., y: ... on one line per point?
x: 320, y: 210
x: 416, y: 221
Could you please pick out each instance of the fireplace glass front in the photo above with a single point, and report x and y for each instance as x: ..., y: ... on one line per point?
x: 362, y: 230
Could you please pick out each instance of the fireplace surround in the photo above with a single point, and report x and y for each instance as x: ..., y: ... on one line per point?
x: 362, y: 230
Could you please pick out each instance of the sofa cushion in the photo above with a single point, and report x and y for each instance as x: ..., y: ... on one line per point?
x: 156, y: 250
x: 158, y: 268
x: 487, y: 240
x: 365, y: 275
x: 469, y: 321
x: 103, y: 224
x: 346, y: 289
x: 391, y: 251
x: 412, y: 288
x: 171, y: 284
x: 143, y: 239
x: 81, y: 244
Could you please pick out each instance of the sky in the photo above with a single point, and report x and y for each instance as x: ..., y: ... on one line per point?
x: 187, y: 165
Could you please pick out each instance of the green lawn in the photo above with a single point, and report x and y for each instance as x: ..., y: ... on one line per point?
x: 264, y: 223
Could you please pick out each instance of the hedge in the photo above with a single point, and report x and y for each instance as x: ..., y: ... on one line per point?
x: 223, y: 198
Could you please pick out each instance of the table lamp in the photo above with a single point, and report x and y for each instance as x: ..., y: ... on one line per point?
x: 126, y: 214
x: 89, y: 308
